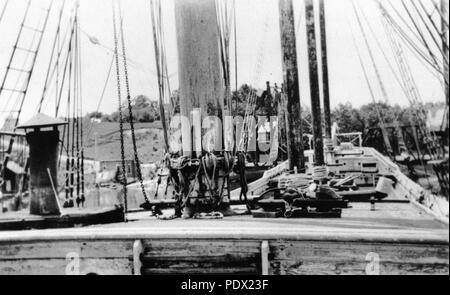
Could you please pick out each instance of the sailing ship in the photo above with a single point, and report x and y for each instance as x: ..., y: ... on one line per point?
x: 327, y: 209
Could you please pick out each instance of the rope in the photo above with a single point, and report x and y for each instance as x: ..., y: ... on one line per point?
x: 429, y: 30
x: 47, y: 77
x: 408, y: 84
x: 161, y: 64
x: 319, y: 173
x: 431, y: 142
x: 369, y: 86
x: 422, y: 37
x: 410, y: 87
x: 224, y: 21
x: 443, y: 17
x: 422, y: 56
x: 380, y: 81
x: 372, y: 58
x: 251, y: 96
x: 69, y: 52
x: 102, y: 95
x: 3, y: 10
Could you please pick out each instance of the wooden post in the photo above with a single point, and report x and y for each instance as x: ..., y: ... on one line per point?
x: 325, y: 84
x: 291, y: 86
x: 281, y: 110
x: 314, y: 84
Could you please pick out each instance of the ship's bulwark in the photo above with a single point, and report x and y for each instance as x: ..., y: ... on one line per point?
x: 401, y: 236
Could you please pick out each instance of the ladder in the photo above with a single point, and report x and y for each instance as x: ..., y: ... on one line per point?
x: 20, y: 87
x: 18, y: 91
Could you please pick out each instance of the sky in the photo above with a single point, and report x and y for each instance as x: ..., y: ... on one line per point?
x: 258, y: 37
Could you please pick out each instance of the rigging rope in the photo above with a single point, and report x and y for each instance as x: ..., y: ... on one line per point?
x: 161, y: 64
x: 400, y: 137
x: 48, y: 77
x: 417, y: 52
x: 372, y: 94
x: 372, y: 58
x: 251, y: 97
x: 224, y: 22
x: 80, y: 153
x: 415, y: 100
x: 422, y: 56
x: 431, y: 141
x: 443, y: 17
x: 3, y: 10
x: 408, y: 86
x: 66, y: 63
x: 369, y: 86
x: 429, y: 30
x: 56, y: 67
x: 422, y: 37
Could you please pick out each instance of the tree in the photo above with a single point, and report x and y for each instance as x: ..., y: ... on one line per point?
x: 143, y: 110
x: 141, y: 102
x: 95, y: 115
x: 239, y: 99
x: 348, y: 118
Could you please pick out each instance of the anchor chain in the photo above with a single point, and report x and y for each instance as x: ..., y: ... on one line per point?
x: 122, y: 149
x: 130, y: 112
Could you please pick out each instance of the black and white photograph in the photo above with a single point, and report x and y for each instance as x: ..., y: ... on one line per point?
x: 224, y: 137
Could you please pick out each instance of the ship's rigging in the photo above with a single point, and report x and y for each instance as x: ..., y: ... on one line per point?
x: 414, y: 28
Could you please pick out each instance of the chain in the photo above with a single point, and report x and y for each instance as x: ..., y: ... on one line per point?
x: 122, y: 149
x: 130, y: 111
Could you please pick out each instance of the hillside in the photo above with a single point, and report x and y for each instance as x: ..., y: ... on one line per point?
x: 149, y: 139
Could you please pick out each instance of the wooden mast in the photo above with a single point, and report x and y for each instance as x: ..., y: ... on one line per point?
x: 291, y: 86
x: 445, y: 49
x: 200, y: 74
x: 314, y: 84
x: 325, y: 85
x: 201, y: 84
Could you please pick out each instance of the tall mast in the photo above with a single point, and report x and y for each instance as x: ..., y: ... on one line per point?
x: 445, y: 49
x: 314, y: 84
x: 291, y: 86
x: 325, y: 86
x: 235, y: 49
x: 200, y: 74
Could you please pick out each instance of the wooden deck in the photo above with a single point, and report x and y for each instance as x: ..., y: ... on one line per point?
x: 70, y: 217
x: 406, y: 240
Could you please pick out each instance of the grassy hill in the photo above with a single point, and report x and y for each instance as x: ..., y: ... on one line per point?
x: 149, y: 141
